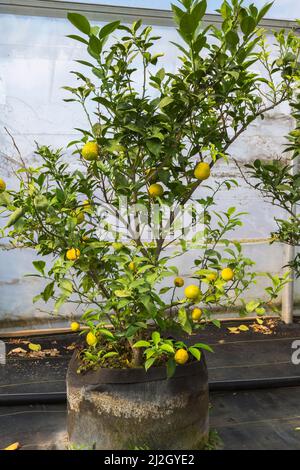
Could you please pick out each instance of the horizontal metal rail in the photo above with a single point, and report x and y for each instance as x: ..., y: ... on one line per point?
x: 60, y: 8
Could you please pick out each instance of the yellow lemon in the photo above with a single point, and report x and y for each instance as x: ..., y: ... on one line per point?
x: 91, y: 339
x: 90, y: 151
x: 73, y: 254
x: 155, y: 190
x: 2, y: 185
x: 196, y: 314
x: 192, y: 292
x: 131, y: 266
x: 79, y: 217
x: 211, y: 277
x: 227, y: 274
x: 181, y: 356
x: 86, y: 205
x: 75, y: 326
x: 202, y: 171
x: 178, y: 282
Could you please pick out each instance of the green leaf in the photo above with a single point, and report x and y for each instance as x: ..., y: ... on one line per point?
x: 106, y: 333
x: 95, y: 46
x: 168, y: 348
x: 195, y: 352
x: 36, y: 298
x: 77, y: 38
x: 39, y: 266
x: 147, y: 301
x: 110, y: 354
x: 264, y: 11
x: 251, y: 306
x: 80, y: 22
x: 60, y: 301
x: 155, y: 337
x: 187, y: 25
x: 248, y: 24
x: 171, y: 368
x: 48, y: 291
x: 141, y: 344
x: 164, y: 290
x: 260, y: 311
x: 4, y: 198
x: 66, y: 286
x: 182, y: 316
x: 177, y: 13
x: 165, y: 102
x: 199, y: 10
x: 203, y: 346
x: 149, y: 362
x: 232, y: 40
x: 184, y: 321
x: 149, y: 353
x: 154, y: 146
x: 122, y: 293
x: 15, y: 216
x: 108, y: 29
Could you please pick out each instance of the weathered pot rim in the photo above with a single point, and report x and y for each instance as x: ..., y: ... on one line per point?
x: 132, y: 375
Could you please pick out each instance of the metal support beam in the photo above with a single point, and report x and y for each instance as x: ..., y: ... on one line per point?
x: 105, y: 13
x: 287, y: 313
x: 289, y: 255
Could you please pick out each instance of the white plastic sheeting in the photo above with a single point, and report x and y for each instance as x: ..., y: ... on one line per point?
x: 35, y: 61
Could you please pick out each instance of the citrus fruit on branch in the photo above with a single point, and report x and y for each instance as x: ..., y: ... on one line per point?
x: 178, y: 282
x: 202, y: 171
x: 196, y: 314
x: 73, y: 254
x: 181, y: 356
x: 155, y: 190
x: 192, y: 292
x: 75, y: 326
x: 90, y: 151
x: 2, y: 185
x: 227, y: 274
x: 91, y: 339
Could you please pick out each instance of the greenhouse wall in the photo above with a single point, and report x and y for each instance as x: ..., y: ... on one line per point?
x: 35, y: 60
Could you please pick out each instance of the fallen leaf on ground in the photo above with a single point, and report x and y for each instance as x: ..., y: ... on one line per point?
x: 18, y: 351
x: 243, y: 328
x: 34, y: 347
x: 266, y: 329
x: 14, y: 446
x: 38, y: 354
x: 234, y: 330
x: 44, y: 353
x: 18, y: 341
x: 71, y: 347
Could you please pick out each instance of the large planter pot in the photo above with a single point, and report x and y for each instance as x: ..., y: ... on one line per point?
x: 129, y: 408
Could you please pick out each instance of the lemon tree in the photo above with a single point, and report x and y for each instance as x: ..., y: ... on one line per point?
x: 155, y: 143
